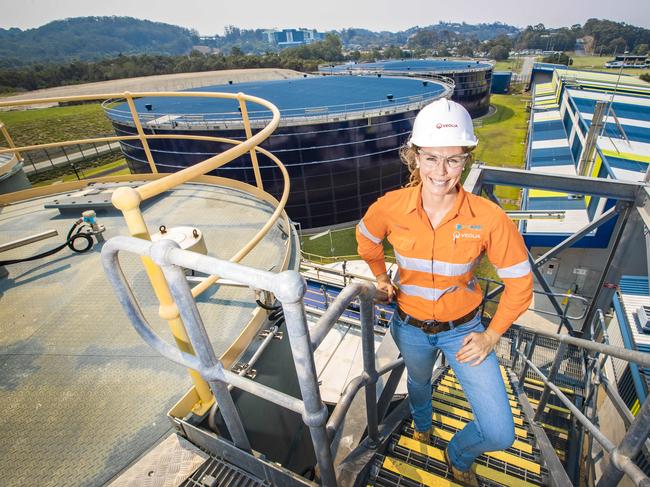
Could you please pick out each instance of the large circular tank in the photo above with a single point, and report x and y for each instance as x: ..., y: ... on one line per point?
x: 339, y: 137
x: 472, y: 78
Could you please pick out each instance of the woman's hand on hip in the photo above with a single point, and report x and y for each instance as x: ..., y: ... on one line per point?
x: 385, y: 289
x: 477, y: 346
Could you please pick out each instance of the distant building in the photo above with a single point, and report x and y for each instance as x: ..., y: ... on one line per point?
x: 293, y: 37
x: 628, y: 61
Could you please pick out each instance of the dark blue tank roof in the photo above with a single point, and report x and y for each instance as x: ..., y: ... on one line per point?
x: 436, y: 65
x: 296, y: 97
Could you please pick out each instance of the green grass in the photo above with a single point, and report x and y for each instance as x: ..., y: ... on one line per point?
x: 502, y: 138
x: 39, y: 126
x: 87, y: 173
x: 597, y: 63
x: 507, y: 65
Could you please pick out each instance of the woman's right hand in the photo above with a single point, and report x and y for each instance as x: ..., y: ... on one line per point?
x: 385, y: 289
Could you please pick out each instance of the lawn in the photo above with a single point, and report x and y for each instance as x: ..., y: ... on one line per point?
x: 597, y: 63
x: 39, y: 126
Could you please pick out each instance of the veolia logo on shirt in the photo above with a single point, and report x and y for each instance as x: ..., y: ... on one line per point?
x: 461, y: 233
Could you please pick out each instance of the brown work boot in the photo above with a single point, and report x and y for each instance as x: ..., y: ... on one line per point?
x: 467, y: 479
x: 422, y: 436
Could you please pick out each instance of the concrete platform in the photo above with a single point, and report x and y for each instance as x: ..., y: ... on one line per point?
x: 82, y: 394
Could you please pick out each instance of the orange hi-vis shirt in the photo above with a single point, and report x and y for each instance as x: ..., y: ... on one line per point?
x: 435, y: 265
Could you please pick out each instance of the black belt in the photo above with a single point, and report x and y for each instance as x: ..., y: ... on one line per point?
x: 433, y: 326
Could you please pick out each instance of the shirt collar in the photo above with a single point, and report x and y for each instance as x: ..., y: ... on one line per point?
x: 461, y: 205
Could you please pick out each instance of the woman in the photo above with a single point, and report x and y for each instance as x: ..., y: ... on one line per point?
x: 439, y: 232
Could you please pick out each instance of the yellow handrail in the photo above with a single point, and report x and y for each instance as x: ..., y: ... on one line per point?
x: 128, y: 199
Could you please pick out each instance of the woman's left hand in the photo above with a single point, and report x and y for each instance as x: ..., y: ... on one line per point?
x: 477, y: 346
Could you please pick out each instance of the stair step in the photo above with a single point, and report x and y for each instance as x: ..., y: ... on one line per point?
x: 463, y: 402
x: 463, y: 413
x: 417, y: 474
x: 438, y: 415
x: 504, y: 456
x: 459, y: 393
x: 536, y: 382
x: 481, y: 470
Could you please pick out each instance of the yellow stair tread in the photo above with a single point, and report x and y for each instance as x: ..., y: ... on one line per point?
x: 453, y: 383
x: 550, y: 406
x: 481, y: 470
x: 453, y: 379
x: 455, y: 423
x: 465, y: 414
x: 566, y: 390
x: 417, y: 474
x: 561, y: 432
x: 464, y: 403
x: 499, y: 455
x: 459, y: 393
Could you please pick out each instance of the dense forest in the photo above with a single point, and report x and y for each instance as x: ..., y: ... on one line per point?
x: 91, y: 49
x: 92, y: 38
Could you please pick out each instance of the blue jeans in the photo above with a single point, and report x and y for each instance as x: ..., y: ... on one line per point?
x: 493, y: 428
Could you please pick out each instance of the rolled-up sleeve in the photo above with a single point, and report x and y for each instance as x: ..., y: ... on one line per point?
x: 371, y: 231
x: 507, y: 252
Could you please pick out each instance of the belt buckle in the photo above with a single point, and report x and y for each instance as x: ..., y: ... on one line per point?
x: 429, y: 326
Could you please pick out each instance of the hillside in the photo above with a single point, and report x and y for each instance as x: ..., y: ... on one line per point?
x: 91, y: 38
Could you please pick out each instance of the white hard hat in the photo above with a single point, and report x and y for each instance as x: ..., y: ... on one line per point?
x: 443, y: 123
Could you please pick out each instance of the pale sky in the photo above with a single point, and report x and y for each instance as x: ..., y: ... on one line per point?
x: 210, y: 16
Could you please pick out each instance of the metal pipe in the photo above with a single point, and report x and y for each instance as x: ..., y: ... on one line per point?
x: 369, y: 367
x: 350, y: 391
x: 200, y: 341
x: 557, y: 361
x: 629, y: 447
x: 27, y: 240
x: 530, y: 348
x: 315, y: 414
x: 335, y: 309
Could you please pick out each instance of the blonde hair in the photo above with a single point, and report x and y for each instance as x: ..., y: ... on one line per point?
x: 409, y: 153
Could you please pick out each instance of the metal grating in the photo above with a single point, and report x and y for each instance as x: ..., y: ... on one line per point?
x: 216, y: 472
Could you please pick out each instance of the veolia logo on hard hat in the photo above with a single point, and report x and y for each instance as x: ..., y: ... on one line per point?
x: 446, y: 125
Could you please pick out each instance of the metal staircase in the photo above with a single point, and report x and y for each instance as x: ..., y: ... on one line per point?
x: 408, y: 462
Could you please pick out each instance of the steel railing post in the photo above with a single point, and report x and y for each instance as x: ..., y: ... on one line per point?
x: 557, y: 361
x: 189, y: 312
x: 369, y: 367
x: 530, y: 348
x: 315, y: 415
x: 629, y: 448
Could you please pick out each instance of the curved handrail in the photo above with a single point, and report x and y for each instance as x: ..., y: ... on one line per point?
x: 128, y: 199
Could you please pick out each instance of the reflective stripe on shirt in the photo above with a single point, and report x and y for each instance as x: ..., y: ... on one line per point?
x: 366, y: 233
x: 518, y: 270
x: 432, y: 294
x: 439, y: 267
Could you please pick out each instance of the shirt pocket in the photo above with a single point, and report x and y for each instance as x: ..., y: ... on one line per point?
x: 401, y: 243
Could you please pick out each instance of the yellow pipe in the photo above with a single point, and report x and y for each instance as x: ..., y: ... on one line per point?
x: 249, y: 134
x: 10, y: 141
x: 154, y: 188
x: 210, y: 280
x: 143, y: 137
x: 127, y: 200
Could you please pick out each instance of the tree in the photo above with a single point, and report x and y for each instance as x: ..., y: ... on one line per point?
x: 499, y: 53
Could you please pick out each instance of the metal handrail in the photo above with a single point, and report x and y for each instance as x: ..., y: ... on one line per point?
x: 128, y: 199
x: 289, y: 288
x: 620, y: 456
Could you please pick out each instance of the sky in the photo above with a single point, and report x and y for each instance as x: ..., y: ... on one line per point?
x: 209, y: 17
